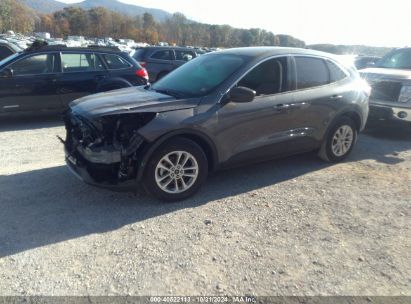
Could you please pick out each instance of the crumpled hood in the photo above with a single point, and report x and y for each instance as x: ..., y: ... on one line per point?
x: 381, y: 73
x: 129, y: 100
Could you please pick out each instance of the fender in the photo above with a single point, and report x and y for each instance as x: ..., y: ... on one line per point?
x: 149, y: 150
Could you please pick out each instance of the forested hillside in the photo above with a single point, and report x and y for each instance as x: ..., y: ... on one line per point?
x: 176, y: 28
x: 101, y: 22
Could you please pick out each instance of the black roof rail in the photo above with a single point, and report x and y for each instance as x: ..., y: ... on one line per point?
x: 103, y: 48
x: 39, y: 45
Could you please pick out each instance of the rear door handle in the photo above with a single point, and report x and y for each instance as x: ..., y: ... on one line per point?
x: 100, y: 77
x: 281, y: 106
x: 51, y: 78
x: 336, y: 97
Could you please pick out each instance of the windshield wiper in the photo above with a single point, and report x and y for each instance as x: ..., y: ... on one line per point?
x: 173, y: 93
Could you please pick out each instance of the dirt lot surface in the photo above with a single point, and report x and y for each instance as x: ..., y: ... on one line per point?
x: 295, y: 226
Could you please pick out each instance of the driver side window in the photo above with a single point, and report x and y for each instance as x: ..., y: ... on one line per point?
x: 269, y: 77
x: 34, y: 65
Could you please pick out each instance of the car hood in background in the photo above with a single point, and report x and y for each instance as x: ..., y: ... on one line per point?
x: 130, y: 100
x: 382, y: 73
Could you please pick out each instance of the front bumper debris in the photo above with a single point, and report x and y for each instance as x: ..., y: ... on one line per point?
x: 388, y: 111
x: 98, y: 158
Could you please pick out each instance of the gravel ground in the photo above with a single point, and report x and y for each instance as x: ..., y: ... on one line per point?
x: 295, y: 226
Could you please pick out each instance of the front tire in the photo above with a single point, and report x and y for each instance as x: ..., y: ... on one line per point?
x: 176, y: 170
x: 339, y: 141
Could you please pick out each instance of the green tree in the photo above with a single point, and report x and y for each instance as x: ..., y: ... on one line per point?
x: 16, y: 17
x: 78, y: 20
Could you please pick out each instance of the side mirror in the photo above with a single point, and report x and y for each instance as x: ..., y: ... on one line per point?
x: 7, y: 73
x: 241, y: 94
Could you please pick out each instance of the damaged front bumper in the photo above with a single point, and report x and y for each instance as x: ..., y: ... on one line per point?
x: 98, y: 158
x: 80, y: 170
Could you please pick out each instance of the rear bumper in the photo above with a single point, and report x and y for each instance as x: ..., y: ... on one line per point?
x: 389, y: 112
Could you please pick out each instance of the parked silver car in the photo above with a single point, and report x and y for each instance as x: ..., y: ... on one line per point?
x: 390, y: 80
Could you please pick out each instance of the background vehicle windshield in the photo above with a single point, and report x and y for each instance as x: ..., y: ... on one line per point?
x: 400, y: 59
x: 7, y: 59
x: 201, y: 75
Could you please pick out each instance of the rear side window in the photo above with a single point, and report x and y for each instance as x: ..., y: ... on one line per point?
x: 34, y: 65
x: 184, y: 55
x: 115, y: 62
x: 162, y: 55
x: 311, y: 72
x: 77, y: 62
x: 336, y: 73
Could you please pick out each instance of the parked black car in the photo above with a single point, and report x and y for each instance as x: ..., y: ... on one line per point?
x: 49, y: 77
x: 219, y: 110
x: 7, y: 49
x: 160, y: 60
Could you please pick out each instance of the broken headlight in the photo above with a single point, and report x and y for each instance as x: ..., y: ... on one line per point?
x: 405, y: 94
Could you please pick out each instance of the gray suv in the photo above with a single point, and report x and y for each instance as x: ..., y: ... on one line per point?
x: 219, y: 110
x: 160, y: 60
x: 390, y: 81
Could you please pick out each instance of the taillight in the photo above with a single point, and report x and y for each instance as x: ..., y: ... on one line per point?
x: 142, y: 73
x: 142, y: 63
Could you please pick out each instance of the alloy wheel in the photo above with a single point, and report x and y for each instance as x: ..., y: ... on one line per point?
x: 176, y: 172
x: 342, y: 140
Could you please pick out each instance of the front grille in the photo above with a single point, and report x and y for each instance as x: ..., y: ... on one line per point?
x: 386, y: 90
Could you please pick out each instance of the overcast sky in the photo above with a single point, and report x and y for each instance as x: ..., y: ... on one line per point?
x: 370, y: 22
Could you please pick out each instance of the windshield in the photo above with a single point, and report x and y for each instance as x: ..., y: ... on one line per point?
x: 399, y: 59
x: 7, y: 59
x: 199, y: 76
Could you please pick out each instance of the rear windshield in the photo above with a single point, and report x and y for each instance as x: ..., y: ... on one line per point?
x: 398, y: 59
x: 138, y: 54
x: 200, y: 76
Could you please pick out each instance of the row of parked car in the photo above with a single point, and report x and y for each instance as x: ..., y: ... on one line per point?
x: 220, y: 110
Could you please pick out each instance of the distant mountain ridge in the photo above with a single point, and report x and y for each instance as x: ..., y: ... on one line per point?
x: 50, y: 6
x: 44, y: 6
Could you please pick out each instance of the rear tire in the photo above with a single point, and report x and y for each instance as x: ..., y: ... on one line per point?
x: 176, y: 170
x: 339, y: 141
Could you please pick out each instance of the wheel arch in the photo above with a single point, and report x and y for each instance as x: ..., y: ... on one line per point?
x: 352, y: 114
x: 198, y: 137
x: 355, y: 116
